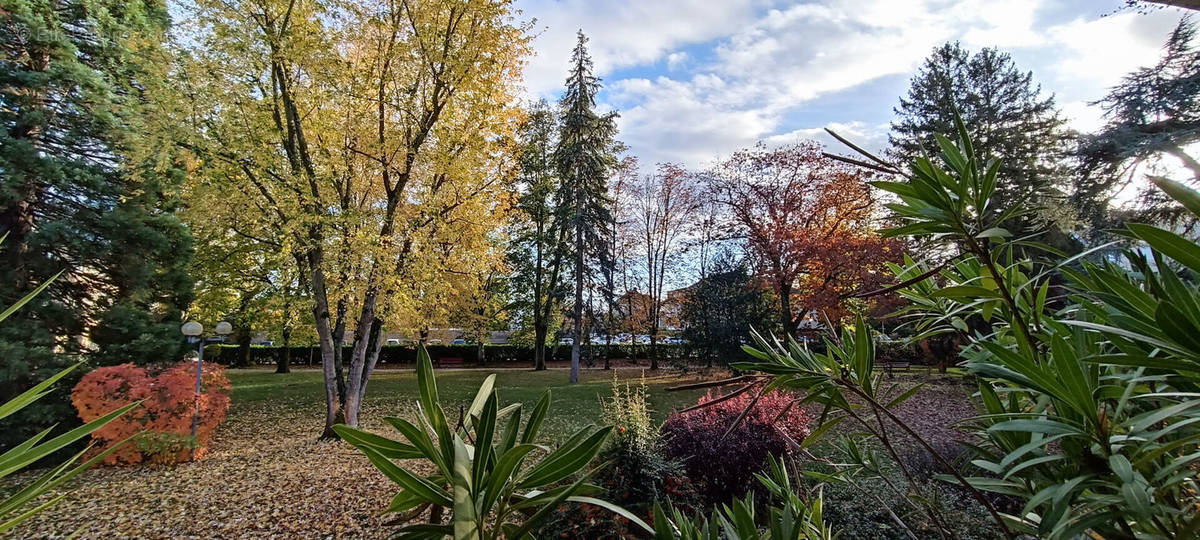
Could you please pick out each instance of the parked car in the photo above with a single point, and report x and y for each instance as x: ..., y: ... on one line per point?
x: 643, y: 339
x: 392, y: 341
x: 459, y: 341
x: 568, y: 340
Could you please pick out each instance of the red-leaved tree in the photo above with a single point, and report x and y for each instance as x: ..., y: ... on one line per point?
x: 808, y: 225
x: 162, y: 426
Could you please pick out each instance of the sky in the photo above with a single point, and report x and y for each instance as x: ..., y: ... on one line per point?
x: 695, y: 80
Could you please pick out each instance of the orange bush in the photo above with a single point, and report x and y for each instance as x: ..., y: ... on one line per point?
x: 162, y: 426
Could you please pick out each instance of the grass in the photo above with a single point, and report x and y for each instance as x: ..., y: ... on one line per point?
x: 572, y: 406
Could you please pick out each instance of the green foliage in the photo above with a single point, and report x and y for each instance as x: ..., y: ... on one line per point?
x: 14, y: 507
x: 721, y: 309
x: 485, y: 472
x: 789, y: 517
x: 1088, y: 408
x: 1006, y: 112
x: 85, y: 190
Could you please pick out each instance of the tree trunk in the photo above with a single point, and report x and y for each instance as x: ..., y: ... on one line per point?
x: 787, y: 321
x: 243, y: 351
x: 608, y: 347
x: 480, y: 359
x: 333, y: 409
x: 362, y: 340
x: 284, y: 359
x: 539, y: 347
x: 372, y: 358
x: 578, y: 297
x: 339, y: 352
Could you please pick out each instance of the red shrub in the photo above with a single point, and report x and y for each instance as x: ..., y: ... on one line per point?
x: 163, y: 422
x: 723, y: 467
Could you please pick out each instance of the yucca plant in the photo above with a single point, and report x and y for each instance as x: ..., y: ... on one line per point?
x: 15, y: 508
x: 789, y: 516
x: 487, y: 470
x: 1089, y: 403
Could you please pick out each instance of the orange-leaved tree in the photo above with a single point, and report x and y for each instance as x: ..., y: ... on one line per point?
x: 163, y: 424
x: 808, y: 225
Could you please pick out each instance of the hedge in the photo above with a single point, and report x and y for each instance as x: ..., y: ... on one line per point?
x: 514, y: 354
x: 407, y: 354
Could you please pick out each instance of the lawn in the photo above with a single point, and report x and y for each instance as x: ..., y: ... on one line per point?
x: 267, y: 476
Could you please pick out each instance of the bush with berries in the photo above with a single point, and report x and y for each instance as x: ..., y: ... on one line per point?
x: 723, y: 466
x: 161, y: 428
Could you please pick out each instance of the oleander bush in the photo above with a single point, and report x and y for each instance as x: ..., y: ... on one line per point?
x: 489, y: 471
x: 1089, y: 401
x: 717, y: 432
x: 161, y: 429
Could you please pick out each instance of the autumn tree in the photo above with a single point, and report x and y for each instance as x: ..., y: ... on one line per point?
x: 585, y: 159
x: 807, y: 223
x: 374, y: 134
x: 663, y: 209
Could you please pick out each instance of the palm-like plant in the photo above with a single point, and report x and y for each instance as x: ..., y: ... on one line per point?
x: 789, y: 517
x: 1090, y: 409
x: 485, y: 471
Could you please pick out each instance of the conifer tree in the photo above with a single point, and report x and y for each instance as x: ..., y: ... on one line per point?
x: 585, y: 159
x: 1153, y: 117
x: 86, y: 192
x: 1007, y: 115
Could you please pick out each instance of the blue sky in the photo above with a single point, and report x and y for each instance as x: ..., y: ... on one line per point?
x: 695, y: 80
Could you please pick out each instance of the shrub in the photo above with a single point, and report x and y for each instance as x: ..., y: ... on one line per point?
x: 637, y: 473
x: 161, y: 428
x: 698, y: 439
x: 489, y: 472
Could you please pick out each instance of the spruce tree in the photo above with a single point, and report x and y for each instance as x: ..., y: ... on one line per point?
x: 1007, y: 116
x: 585, y: 158
x: 84, y: 192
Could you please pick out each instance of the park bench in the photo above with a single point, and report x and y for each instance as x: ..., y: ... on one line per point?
x: 890, y: 366
x: 450, y: 361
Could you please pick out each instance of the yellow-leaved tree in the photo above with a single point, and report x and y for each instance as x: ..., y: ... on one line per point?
x: 371, y: 138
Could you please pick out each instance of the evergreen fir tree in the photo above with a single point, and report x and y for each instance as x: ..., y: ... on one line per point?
x: 1007, y: 115
x: 82, y: 192
x: 585, y: 158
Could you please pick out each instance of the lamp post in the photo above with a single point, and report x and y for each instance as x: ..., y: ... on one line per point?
x: 193, y: 331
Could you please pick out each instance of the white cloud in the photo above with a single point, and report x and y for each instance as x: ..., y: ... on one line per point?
x: 1091, y: 56
x: 751, y: 68
x: 622, y: 33
x: 676, y: 59
x: 872, y: 138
